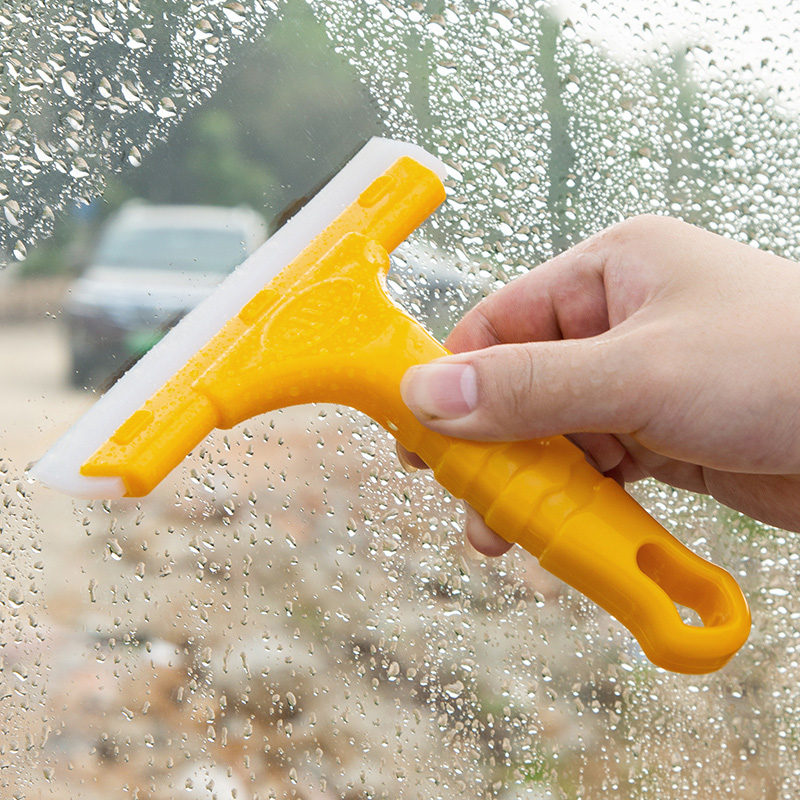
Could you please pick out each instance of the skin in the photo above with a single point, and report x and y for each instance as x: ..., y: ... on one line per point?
x: 661, y: 350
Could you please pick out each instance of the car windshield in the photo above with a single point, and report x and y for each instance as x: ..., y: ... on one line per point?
x: 185, y: 249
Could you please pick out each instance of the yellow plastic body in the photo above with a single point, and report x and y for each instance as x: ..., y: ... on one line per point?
x: 324, y: 330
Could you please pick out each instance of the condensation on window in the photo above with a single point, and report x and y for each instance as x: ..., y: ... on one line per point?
x: 290, y: 614
x: 87, y: 88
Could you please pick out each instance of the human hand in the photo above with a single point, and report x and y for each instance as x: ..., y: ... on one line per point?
x: 659, y: 348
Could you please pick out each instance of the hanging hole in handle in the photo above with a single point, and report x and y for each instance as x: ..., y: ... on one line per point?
x: 686, y: 585
x: 689, y: 616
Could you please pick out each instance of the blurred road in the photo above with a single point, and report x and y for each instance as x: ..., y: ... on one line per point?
x: 36, y: 407
x: 36, y: 403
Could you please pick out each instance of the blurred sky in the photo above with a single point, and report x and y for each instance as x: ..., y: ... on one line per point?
x: 754, y: 40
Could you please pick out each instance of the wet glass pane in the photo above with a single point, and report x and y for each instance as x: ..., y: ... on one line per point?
x: 290, y: 614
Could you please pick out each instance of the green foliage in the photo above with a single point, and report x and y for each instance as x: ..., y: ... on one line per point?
x: 49, y: 258
x: 211, y: 165
x: 288, y: 113
x: 61, y: 254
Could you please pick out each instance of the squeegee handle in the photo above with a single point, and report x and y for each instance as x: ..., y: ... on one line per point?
x: 583, y: 528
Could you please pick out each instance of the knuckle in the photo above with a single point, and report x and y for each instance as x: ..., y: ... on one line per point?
x: 485, y: 323
x: 476, y: 330
x: 520, y: 380
x: 642, y: 227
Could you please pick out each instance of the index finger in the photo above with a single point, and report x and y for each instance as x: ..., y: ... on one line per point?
x: 564, y: 298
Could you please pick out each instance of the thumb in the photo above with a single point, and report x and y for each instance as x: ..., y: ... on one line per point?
x: 526, y: 391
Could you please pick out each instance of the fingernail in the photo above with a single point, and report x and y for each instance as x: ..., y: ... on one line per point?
x: 440, y: 390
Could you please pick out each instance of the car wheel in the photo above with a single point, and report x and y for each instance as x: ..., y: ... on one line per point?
x: 82, y: 369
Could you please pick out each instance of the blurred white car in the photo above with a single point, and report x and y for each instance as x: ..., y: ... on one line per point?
x: 152, y: 264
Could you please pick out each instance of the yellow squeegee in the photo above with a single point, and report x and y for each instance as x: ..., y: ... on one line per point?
x: 306, y: 319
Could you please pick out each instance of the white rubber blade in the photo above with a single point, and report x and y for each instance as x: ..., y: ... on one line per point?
x: 60, y: 467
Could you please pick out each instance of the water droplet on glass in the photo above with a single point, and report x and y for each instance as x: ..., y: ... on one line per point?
x: 203, y: 30
x: 15, y: 596
x: 11, y: 211
x: 137, y: 39
x: 104, y: 88
x: 235, y: 12
x: 69, y: 81
x: 454, y: 689
x: 166, y: 108
x: 80, y: 168
x: 115, y: 549
x: 75, y: 119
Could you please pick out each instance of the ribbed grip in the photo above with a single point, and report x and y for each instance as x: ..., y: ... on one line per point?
x: 523, y: 489
x: 588, y: 531
x: 582, y: 526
